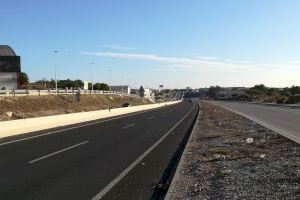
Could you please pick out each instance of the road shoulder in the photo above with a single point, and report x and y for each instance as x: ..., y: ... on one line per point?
x: 231, y: 157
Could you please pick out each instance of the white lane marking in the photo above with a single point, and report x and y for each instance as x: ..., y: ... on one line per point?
x: 137, y: 161
x: 265, y: 124
x: 163, y: 113
x: 74, y: 127
x: 128, y: 126
x: 151, y: 117
x: 57, y: 152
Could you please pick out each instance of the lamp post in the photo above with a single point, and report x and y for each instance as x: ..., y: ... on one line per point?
x: 92, y: 76
x: 109, y: 75
x: 122, y: 83
x: 55, y: 71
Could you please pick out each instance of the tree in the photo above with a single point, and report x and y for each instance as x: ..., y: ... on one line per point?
x: 24, y: 80
x: 213, y: 90
x: 260, y: 87
x: 101, y: 86
x: 78, y: 83
x: 295, y: 90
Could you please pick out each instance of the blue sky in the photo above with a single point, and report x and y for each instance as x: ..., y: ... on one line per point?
x: 176, y: 43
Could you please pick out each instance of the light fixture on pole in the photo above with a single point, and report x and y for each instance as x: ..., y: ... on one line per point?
x: 55, y: 77
x: 109, y: 76
x: 92, y: 76
x: 122, y: 83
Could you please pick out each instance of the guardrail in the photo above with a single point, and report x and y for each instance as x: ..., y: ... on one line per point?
x: 7, y: 93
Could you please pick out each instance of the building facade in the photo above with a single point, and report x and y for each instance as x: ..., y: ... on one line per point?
x: 124, y: 89
x: 146, y: 93
x: 10, y: 68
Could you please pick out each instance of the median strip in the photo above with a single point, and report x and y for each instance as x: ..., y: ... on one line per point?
x: 57, y: 152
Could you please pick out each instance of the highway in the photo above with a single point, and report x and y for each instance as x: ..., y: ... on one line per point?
x: 283, y: 120
x: 117, y: 158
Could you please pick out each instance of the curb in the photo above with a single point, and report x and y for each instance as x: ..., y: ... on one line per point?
x: 22, y: 126
x: 172, y: 188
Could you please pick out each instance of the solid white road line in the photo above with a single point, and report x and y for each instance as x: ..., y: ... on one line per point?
x: 151, y: 117
x: 74, y: 127
x: 265, y: 124
x: 128, y: 126
x: 137, y: 161
x: 57, y: 152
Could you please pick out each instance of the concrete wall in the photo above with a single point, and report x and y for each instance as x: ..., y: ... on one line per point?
x: 20, y: 126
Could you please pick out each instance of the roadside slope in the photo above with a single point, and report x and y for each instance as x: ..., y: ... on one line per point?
x: 38, y: 106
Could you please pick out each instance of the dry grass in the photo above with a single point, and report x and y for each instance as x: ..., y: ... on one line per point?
x: 35, y: 106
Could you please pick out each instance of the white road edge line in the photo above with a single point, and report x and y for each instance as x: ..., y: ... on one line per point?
x: 151, y: 117
x: 57, y: 152
x: 137, y: 161
x: 128, y: 126
x: 74, y: 127
x: 262, y: 123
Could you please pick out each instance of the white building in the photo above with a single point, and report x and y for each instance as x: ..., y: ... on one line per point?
x: 125, y: 89
x: 146, y: 93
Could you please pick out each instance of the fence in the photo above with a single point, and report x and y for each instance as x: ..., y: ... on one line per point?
x: 12, y: 93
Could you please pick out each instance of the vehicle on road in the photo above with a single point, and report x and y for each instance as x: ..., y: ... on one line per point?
x: 126, y: 104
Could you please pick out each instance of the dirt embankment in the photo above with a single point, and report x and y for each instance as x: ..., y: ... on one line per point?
x: 36, y: 106
x: 234, y: 158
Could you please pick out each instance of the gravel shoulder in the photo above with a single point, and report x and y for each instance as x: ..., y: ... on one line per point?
x: 231, y: 157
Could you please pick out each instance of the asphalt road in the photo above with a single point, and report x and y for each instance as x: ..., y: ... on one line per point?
x: 283, y: 120
x: 118, y: 158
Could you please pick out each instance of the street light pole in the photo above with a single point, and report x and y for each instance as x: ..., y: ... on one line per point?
x: 109, y: 75
x: 92, y: 77
x: 122, y: 83
x: 55, y: 71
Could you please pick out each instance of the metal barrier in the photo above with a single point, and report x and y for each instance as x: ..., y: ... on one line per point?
x: 12, y: 93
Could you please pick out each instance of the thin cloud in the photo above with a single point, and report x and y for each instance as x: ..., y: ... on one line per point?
x: 207, y: 58
x: 117, y: 47
x: 189, y: 63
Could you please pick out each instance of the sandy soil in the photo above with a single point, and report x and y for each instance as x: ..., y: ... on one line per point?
x: 36, y: 106
x: 234, y: 158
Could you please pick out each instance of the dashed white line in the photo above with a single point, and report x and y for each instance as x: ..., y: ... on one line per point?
x: 57, y: 152
x: 105, y: 190
x: 71, y: 128
x: 151, y: 117
x: 163, y: 113
x: 128, y: 126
